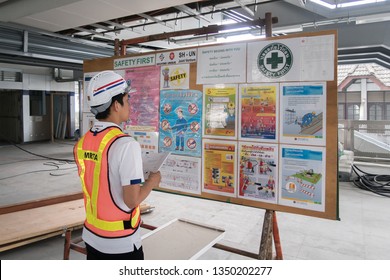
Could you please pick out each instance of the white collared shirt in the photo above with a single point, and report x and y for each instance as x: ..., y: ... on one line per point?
x: 125, y: 168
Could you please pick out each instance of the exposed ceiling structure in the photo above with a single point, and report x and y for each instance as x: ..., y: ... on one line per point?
x: 66, y: 32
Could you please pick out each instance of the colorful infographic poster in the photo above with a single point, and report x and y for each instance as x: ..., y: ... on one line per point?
x: 175, y: 76
x: 220, y: 108
x: 303, y: 113
x: 180, y: 122
x: 259, y: 111
x: 219, y: 167
x: 302, y: 177
x: 147, y: 139
x: 144, y: 102
x: 181, y: 173
x: 258, y: 179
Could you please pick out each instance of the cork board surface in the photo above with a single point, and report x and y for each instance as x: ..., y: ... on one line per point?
x: 331, y: 148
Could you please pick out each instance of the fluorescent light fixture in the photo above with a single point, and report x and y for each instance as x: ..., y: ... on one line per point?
x: 345, y: 5
x: 324, y: 4
x: 288, y: 29
x: 196, y: 41
x: 236, y: 38
x: 358, y: 3
x: 373, y: 18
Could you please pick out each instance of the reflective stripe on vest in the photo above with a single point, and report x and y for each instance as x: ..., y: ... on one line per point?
x: 87, y: 155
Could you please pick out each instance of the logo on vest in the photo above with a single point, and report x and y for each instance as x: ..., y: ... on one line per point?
x: 275, y: 60
x: 91, y: 156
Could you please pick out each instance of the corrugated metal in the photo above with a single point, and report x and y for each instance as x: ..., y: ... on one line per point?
x: 43, y: 49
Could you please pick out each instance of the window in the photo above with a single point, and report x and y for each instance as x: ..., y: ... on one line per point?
x: 10, y: 76
x: 37, y: 103
x: 341, y: 111
x: 387, y: 111
x: 375, y: 112
x: 353, y: 112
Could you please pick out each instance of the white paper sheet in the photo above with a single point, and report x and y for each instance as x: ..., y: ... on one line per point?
x: 152, y: 162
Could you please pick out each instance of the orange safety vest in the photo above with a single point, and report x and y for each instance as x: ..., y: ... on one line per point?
x: 103, y: 216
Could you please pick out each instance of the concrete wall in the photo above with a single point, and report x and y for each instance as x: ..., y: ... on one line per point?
x: 35, y: 128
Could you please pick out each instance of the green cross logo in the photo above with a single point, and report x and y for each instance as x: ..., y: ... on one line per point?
x: 275, y: 60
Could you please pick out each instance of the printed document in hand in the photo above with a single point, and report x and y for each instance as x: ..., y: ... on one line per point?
x: 152, y: 162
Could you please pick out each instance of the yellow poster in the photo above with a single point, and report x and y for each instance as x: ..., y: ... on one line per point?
x: 220, y: 107
x: 219, y: 167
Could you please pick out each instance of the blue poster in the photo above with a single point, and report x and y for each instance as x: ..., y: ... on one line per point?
x: 302, y: 177
x: 180, y: 122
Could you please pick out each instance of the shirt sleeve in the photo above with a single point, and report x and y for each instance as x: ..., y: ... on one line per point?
x: 130, y: 168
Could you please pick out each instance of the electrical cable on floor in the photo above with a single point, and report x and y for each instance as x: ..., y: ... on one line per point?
x: 46, y: 157
x: 56, y: 169
x: 376, y: 183
x: 53, y: 164
x: 34, y: 154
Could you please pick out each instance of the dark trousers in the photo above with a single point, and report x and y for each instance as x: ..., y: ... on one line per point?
x: 93, y: 254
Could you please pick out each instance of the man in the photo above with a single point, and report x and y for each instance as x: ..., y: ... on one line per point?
x: 180, y: 128
x: 110, y: 168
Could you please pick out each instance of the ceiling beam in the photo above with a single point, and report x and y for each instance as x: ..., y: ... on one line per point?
x: 102, y: 27
x: 191, y: 12
x: 94, y: 33
x: 156, y: 20
x: 245, y: 8
x: 212, y: 29
x: 115, y: 24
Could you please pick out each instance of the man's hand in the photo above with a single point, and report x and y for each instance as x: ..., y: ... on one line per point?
x: 154, y: 179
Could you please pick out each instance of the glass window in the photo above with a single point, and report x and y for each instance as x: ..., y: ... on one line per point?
x: 353, y: 112
x: 37, y: 103
x: 375, y: 112
x: 387, y: 113
x: 341, y: 111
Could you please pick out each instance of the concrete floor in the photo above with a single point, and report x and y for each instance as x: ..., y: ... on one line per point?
x: 361, y: 234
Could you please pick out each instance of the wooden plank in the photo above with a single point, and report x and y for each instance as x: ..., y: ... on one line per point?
x: 23, y: 224
x: 14, y: 245
x: 26, y: 224
x: 39, y: 203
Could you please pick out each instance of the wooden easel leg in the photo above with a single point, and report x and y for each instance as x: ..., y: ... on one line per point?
x: 278, y: 246
x: 265, y: 252
x: 68, y: 236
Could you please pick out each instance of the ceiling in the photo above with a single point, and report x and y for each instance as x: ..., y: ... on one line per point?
x: 66, y: 32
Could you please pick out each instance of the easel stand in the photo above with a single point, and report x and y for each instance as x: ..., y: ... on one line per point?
x: 270, y: 229
x: 270, y: 232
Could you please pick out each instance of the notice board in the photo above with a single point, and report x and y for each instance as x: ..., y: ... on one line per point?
x: 251, y: 123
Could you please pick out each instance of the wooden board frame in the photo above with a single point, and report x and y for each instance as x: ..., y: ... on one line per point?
x: 331, y: 180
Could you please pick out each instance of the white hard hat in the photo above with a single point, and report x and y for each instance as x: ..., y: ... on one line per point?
x: 102, y: 88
